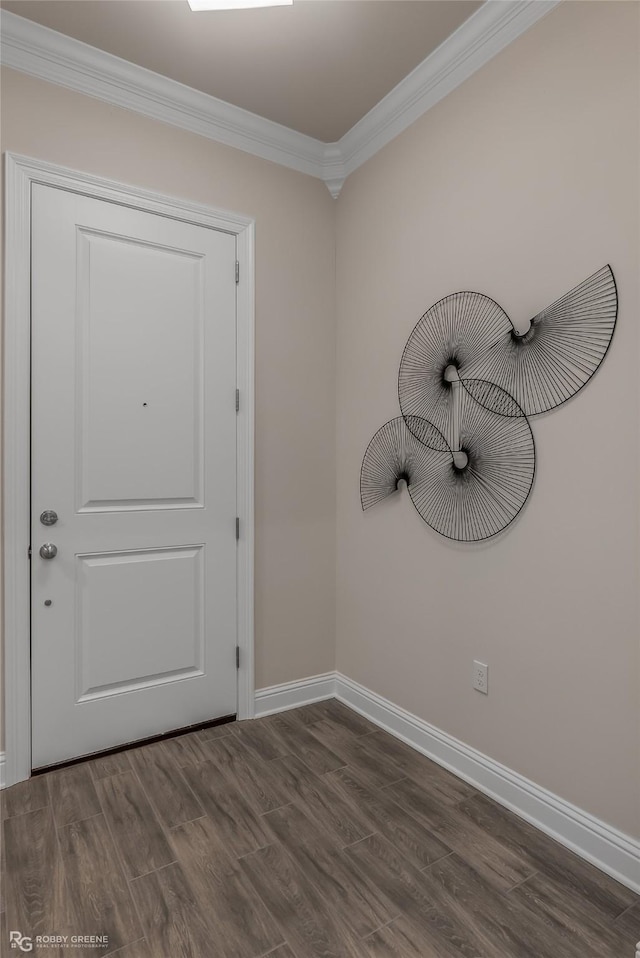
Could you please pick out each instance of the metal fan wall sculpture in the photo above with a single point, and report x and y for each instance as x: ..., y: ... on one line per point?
x: 468, y: 383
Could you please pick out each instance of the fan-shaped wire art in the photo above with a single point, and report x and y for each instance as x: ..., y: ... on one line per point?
x: 396, y: 454
x: 541, y: 367
x: 467, y: 382
x: 561, y: 349
x: 469, y: 493
x: 455, y: 332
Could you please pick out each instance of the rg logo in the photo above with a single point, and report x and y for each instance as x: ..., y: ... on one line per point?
x: 20, y: 941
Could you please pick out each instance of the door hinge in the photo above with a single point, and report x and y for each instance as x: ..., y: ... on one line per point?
x: 237, y: 527
x: 237, y: 400
x: 237, y: 656
x: 237, y: 271
x: 29, y: 552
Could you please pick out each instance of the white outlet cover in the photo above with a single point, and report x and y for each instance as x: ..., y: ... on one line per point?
x: 481, y: 677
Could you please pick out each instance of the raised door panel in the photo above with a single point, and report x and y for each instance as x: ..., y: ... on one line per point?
x: 139, y: 620
x: 140, y: 385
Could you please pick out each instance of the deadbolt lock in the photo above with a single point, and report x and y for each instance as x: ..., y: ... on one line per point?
x: 48, y: 517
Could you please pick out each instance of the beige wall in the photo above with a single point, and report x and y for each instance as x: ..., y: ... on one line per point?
x: 519, y: 184
x: 295, y: 339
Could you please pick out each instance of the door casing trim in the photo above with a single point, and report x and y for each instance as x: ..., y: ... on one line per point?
x: 20, y: 173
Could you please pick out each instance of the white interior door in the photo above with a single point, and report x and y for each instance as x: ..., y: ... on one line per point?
x: 134, y: 449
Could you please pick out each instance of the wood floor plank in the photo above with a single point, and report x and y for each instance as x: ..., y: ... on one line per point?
x: 245, y: 929
x: 345, y: 717
x: 282, y: 952
x: 106, y: 765
x: 241, y: 828
x: 363, y: 755
x: 165, y: 785
x: 405, y: 886
x: 628, y: 924
x: 308, y: 714
x: 73, y: 795
x: 400, y: 882
x: 311, y: 928
x: 24, y: 797
x: 542, y: 853
x: 421, y: 846
x: 359, y: 906
x: 502, y: 867
x: 95, y: 880
x: 437, y: 781
x: 318, y: 796
x: 251, y: 775
x: 3, y: 874
x: 500, y: 926
x: 332, y: 734
x: 300, y: 740
x: 137, y: 949
x: 175, y: 924
x: 569, y: 915
x: 38, y: 900
x: 136, y: 830
x: 258, y: 735
x: 215, y: 731
x: 187, y: 749
x: 398, y: 939
x: 220, y: 861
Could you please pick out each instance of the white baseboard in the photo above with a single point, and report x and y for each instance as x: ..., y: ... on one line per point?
x: 291, y: 695
x: 605, y: 847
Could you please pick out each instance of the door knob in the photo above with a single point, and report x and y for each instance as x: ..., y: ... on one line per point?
x: 48, y: 550
x: 48, y: 517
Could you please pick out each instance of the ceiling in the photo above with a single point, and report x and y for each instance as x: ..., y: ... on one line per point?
x: 316, y: 67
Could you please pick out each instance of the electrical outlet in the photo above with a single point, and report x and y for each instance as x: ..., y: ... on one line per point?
x: 481, y: 677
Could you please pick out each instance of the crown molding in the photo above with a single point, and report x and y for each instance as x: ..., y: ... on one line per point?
x: 43, y: 53
x: 51, y: 56
x: 333, y: 169
x: 495, y: 25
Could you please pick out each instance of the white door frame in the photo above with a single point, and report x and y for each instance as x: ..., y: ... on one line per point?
x: 20, y: 173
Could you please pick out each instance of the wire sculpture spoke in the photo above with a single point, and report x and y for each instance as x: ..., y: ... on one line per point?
x: 455, y: 332
x: 478, y: 495
x: 396, y: 454
x: 559, y: 352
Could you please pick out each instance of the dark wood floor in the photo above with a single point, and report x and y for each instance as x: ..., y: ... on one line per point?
x: 305, y: 834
